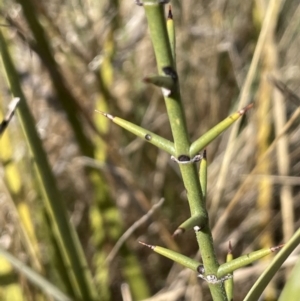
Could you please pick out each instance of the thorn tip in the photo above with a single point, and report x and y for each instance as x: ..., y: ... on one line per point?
x: 229, y: 247
x: 178, y: 232
x: 109, y: 116
x: 170, y: 14
x: 144, y: 244
x: 245, y: 109
x: 274, y: 249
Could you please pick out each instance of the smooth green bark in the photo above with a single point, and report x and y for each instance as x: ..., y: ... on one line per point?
x: 159, y: 36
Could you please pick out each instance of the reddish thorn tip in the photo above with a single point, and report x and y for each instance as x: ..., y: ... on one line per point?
x: 204, y: 155
x: 109, y: 116
x: 170, y: 14
x: 229, y: 247
x: 273, y: 249
x: 245, y: 109
x: 144, y: 244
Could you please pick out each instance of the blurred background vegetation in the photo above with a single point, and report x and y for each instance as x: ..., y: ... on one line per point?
x: 76, y: 56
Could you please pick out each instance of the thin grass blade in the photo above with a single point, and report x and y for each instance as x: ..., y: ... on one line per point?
x: 259, y: 286
x: 39, y: 281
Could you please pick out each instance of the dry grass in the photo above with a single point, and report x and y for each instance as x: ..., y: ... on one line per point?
x: 215, y: 46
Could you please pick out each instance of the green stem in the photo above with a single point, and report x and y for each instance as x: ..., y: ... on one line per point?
x: 160, y: 40
x: 229, y: 284
x: 67, y: 239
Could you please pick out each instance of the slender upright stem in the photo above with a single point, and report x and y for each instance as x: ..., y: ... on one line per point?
x: 158, y: 31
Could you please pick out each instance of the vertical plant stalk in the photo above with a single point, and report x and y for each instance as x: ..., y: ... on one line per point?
x: 70, y: 104
x: 159, y: 36
x: 264, y: 100
x: 282, y: 147
x: 64, y: 233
